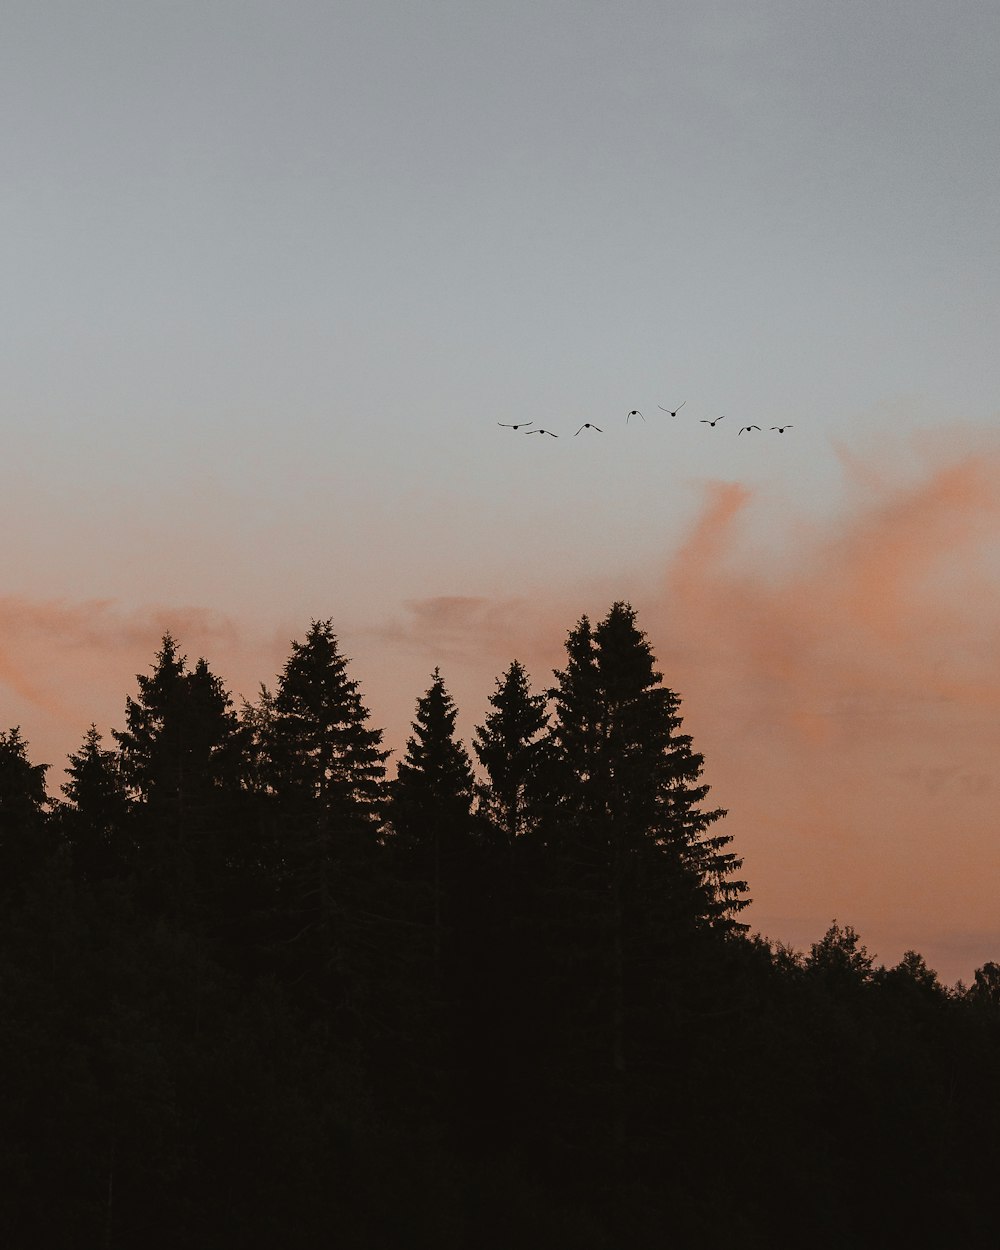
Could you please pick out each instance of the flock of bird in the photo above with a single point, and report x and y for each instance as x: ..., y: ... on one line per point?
x: 589, y: 425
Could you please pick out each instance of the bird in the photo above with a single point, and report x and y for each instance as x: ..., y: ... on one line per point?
x: 705, y: 420
x: 515, y: 427
x: 781, y: 428
x: 749, y: 427
x: 589, y: 425
x: 548, y: 432
x: 634, y: 413
x: 673, y: 411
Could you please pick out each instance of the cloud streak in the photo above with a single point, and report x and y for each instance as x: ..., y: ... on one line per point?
x: 839, y: 675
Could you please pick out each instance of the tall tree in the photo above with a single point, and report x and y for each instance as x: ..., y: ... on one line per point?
x: 509, y: 745
x: 23, y: 804
x: 177, y: 747
x: 636, y: 876
x: 319, y: 745
x: 431, y: 799
x: 179, y: 757
x: 630, y: 781
x: 322, y: 771
x: 94, y: 819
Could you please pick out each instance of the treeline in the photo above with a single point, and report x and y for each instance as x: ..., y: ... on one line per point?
x: 255, y: 992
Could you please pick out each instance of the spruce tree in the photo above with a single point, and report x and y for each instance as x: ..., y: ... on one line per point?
x: 436, y: 855
x: 23, y: 803
x: 431, y: 798
x: 318, y: 744
x: 629, y: 788
x: 179, y: 759
x: 509, y: 745
x: 321, y: 772
x: 95, y: 817
x: 634, y: 877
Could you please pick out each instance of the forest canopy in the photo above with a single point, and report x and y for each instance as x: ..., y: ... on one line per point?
x: 259, y: 986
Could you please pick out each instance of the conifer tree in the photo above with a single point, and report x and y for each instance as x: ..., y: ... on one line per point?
x: 629, y: 779
x: 432, y: 796
x: 509, y: 746
x: 94, y: 819
x: 322, y: 770
x: 23, y: 804
x: 430, y: 813
x: 179, y: 758
x: 634, y: 876
x: 178, y: 745
x: 318, y: 743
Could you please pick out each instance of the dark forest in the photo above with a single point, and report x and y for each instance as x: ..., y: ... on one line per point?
x: 263, y: 986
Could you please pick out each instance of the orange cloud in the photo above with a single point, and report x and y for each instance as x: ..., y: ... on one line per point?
x: 839, y: 675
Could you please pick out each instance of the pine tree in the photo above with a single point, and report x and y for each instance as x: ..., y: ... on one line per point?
x: 178, y: 748
x: 180, y: 760
x: 434, y: 782
x: 318, y: 744
x: 321, y: 772
x: 431, y: 799
x: 634, y: 878
x: 95, y: 818
x: 23, y: 804
x: 509, y: 746
x: 629, y: 779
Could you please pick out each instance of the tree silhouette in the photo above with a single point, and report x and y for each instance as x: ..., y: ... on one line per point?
x: 637, y: 875
x: 23, y: 805
x: 509, y: 745
x: 322, y: 771
x: 430, y: 807
x: 179, y: 757
x: 95, y: 818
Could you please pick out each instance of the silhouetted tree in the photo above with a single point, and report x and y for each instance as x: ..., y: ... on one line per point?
x: 180, y: 759
x: 840, y: 960
x: 509, y: 745
x: 985, y: 988
x: 430, y: 806
x: 637, y: 873
x: 322, y: 769
x: 95, y: 819
x: 23, y: 805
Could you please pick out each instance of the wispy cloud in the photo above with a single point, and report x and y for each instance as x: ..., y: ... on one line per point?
x: 839, y: 674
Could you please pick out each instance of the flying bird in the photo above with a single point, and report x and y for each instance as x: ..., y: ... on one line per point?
x: 548, y: 432
x: 781, y: 428
x: 749, y: 427
x: 673, y: 411
x: 515, y: 427
x: 705, y: 420
x: 589, y: 425
x: 634, y: 413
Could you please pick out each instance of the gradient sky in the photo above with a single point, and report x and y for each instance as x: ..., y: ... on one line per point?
x: 273, y: 272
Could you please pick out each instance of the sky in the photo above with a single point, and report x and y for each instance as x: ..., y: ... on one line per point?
x: 274, y: 273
